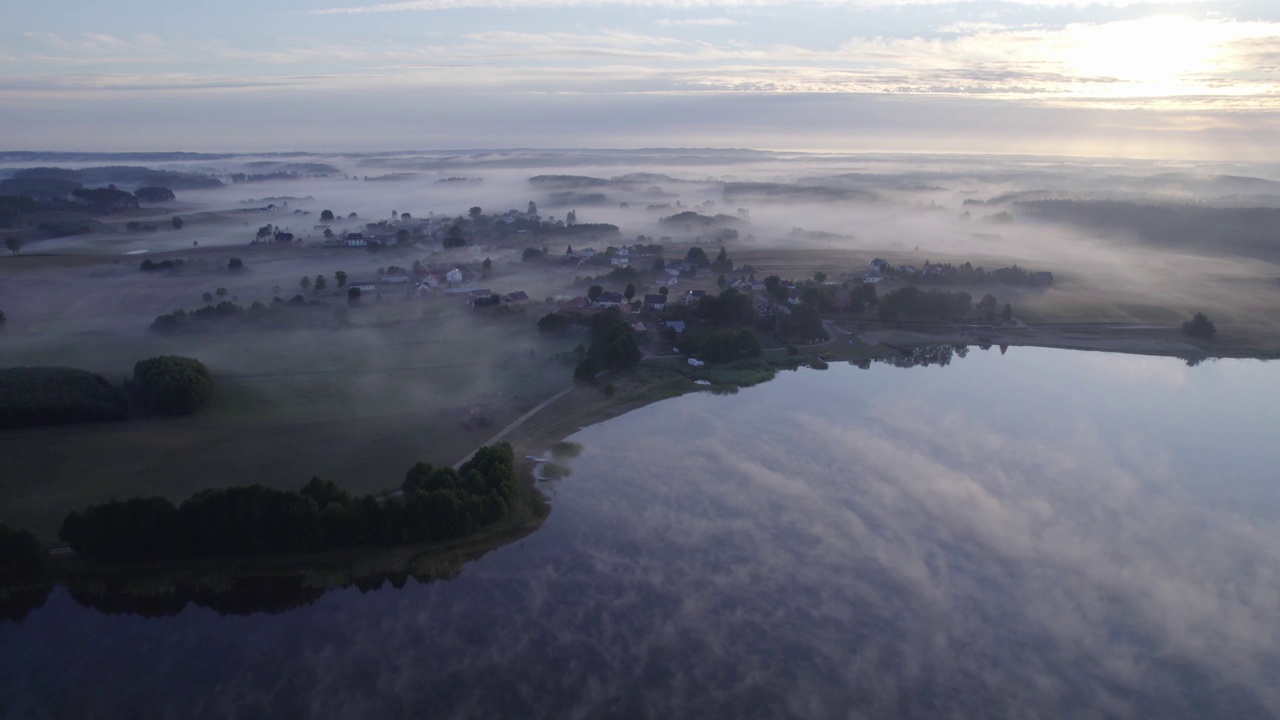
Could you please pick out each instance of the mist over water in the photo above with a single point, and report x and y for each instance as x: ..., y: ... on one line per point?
x: 1042, y: 533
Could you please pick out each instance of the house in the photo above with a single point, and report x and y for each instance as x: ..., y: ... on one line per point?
x: 696, y: 362
x: 623, y: 251
x: 677, y: 325
x: 872, y: 277
x: 639, y: 327
x: 393, y: 279
x: 673, y: 271
x: 479, y: 298
x: 694, y: 296
x: 793, y: 296
x: 519, y: 297
x: 454, y: 276
x: 587, y: 253
x: 655, y: 302
x: 620, y: 261
x: 364, y: 286
x: 430, y: 280
x: 356, y: 240
x: 577, y: 304
x: 609, y: 299
x: 878, y: 265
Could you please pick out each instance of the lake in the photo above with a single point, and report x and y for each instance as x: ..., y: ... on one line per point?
x: 1041, y: 533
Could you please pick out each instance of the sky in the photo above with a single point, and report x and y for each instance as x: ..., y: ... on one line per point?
x: 1162, y: 79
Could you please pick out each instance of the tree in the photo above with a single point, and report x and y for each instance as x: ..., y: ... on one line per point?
x: 819, y: 277
x: 454, y: 239
x: 630, y: 292
x: 402, y: 236
x: 220, y: 292
x: 594, y: 292
x: 326, y: 216
x: 208, y: 297
x: 533, y: 208
x: 487, y: 265
x: 722, y: 282
x: 722, y: 263
x: 552, y: 321
x: 340, y: 277
x: 2, y: 318
x: 320, y: 283
x: 659, y: 265
x: 475, y: 212
x: 14, y: 244
x: 530, y: 253
x: 305, y: 282
x: 406, y: 216
x: 173, y: 385
x: 1199, y: 326
x: 353, y: 296
x: 1008, y: 312
x: 21, y: 555
x: 571, y: 218
x: 176, y: 222
x: 697, y: 257
x: 663, y: 291
x: 235, y: 264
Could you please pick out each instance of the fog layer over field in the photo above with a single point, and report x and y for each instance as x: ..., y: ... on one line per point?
x: 429, y: 378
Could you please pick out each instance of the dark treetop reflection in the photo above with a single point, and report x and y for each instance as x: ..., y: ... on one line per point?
x: 1043, y: 534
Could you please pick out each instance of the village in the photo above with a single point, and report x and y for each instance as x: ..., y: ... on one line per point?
x: 506, y: 261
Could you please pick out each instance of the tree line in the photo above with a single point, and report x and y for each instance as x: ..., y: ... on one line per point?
x: 436, y: 504
x: 295, y: 312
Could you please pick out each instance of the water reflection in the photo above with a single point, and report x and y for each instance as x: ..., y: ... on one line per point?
x: 1044, y: 534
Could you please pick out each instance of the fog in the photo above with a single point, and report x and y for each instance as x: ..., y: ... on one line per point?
x: 1171, y: 238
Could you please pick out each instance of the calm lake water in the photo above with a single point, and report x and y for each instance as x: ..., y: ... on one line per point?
x: 1040, y: 534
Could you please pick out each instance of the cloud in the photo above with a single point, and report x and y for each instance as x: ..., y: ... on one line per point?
x: 434, y: 5
x: 697, y: 22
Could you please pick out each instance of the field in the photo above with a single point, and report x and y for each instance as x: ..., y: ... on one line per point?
x: 407, y: 380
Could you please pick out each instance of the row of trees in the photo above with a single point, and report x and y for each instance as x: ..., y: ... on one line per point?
x: 296, y: 312
x: 721, y: 346
x: 437, y: 504
x: 31, y: 396
x: 912, y: 303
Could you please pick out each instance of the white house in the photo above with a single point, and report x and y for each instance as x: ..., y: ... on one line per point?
x: 618, y: 261
x: 454, y: 276
x: 587, y: 253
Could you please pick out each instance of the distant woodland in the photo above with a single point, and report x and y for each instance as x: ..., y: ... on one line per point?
x: 1248, y: 232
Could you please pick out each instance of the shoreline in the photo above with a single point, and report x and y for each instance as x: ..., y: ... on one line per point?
x: 560, y: 416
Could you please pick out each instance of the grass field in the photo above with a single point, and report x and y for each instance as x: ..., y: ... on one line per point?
x: 407, y: 381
